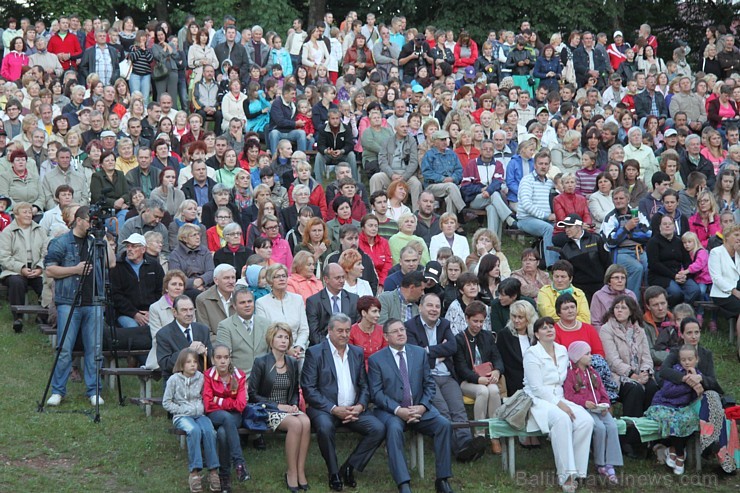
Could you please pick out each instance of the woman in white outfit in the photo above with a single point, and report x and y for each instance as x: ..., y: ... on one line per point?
x: 568, y: 425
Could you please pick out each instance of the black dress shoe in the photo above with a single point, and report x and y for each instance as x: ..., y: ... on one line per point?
x: 225, y: 483
x: 18, y: 326
x: 404, y: 487
x: 442, y: 486
x: 259, y: 443
x: 348, y: 475
x: 335, y: 482
x: 473, y: 450
x: 292, y: 489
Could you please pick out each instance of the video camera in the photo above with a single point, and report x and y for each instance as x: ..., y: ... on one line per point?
x: 100, y: 211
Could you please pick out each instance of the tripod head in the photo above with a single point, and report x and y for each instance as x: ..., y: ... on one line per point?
x: 99, y: 213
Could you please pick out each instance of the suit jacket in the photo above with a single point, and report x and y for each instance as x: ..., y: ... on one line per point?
x: 390, y: 306
x: 264, y: 54
x: 263, y: 376
x: 511, y: 355
x: 319, y: 378
x: 209, y: 309
x: 386, y: 386
x: 171, y: 340
x: 160, y: 314
x: 581, y: 64
x: 88, y: 66
x: 318, y: 312
x: 643, y: 104
x: 188, y: 189
x: 446, y: 346
x: 245, y: 348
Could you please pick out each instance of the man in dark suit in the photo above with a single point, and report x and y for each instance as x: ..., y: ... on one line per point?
x: 200, y: 186
x: 402, y: 388
x: 434, y: 334
x: 335, y: 388
x: 590, y: 62
x: 180, y: 334
x: 101, y: 59
x: 644, y: 101
x: 333, y: 299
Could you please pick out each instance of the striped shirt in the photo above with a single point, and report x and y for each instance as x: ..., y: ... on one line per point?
x: 534, y: 197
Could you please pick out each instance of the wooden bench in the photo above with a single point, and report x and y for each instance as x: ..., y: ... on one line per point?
x: 29, y: 310
x: 145, y: 381
x: 51, y: 332
x: 711, y: 307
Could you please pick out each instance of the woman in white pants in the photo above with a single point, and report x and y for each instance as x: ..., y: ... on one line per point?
x: 568, y: 425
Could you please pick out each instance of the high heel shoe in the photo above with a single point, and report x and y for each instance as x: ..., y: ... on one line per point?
x: 304, y: 487
x: 292, y: 489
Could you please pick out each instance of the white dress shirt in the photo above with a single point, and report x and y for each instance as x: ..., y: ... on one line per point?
x: 345, y: 387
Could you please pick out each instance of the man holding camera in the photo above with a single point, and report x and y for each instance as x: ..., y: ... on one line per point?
x: 414, y: 54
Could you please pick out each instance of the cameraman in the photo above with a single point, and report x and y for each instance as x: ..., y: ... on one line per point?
x: 414, y: 54
x: 66, y: 263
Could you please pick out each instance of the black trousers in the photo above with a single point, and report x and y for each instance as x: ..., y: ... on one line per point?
x: 18, y: 286
x: 636, y: 398
x: 371, y: 429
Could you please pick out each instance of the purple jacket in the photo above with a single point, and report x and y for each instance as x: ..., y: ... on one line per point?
x: 674, y: 395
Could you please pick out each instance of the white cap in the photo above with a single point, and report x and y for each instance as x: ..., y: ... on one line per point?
x: 135, y: 239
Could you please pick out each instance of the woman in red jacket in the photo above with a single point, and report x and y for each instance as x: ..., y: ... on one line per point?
x: 569, y: 202
x: 224, y: 399
x: 466, y: 52
x: 361, y: 57
x: 375, y: 246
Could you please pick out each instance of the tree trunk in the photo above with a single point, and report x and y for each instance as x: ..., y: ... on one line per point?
x: 316, y: 10
x: 162, y: 11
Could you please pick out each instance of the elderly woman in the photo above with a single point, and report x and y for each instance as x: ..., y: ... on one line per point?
x: 600, y: 202
x: 160, y: 312
x: 301, y: 197
x: 406, y: 229
x: 351, y: 261
x: 562, y: 282
x: 283, y: 306
x: 233, y: 252
x: 275, y: 380
x: 448, y: 238
x: 303, y: 280
x: 194, y: 259
x: 484, y: 242
x: 667, y: 260
x: 568, y: 425
x: 109, y: 184
x: 22, y: 248
x: 567, y: 157
x: 20, y: 183
x: 724, y: 267
x: 186, y: 213
x: 530, y: 275
x: 368, y: 333
x: 615, y: 284
x: 476, y: 346
x: 514, y: 340
x: 221, y: 198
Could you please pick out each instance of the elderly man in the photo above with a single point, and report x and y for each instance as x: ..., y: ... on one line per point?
x: 694, y: 160
x: 690, y: 103
x: 96, y: 127
x: 101, y: 59
x: 398, y: 160
x: 48, y: 61
x: 729, y: 58
x: 257, y: 51
x: 149, y: 219
x: 63, y: 174
x: 179, y: 334
x: 650, y: 102
x: 642, y: 154
x: 442, y: 172
x: 335, y: 387
x: 626, y: 236
x: 136, y: 283
x: 283, y: 124
x: 214, y: 304
x: 329, y: 301
x: 589, y: 62
x: 534, y: 213
x: 335, y: 144
x: 244, y: 338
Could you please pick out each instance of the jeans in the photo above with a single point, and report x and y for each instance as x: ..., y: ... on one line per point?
x: 126, y: 322
x: 687, y: 292
x: 319, y: 169
x: 142, y: 84
x: 541, y: 229
x: 90, y: 320
x: 297, y: 136
x: 230, y: 449
x: 197, y: 428
x: 636, y: 269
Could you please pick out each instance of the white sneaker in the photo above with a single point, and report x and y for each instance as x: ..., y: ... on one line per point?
x: 96, y: 399
x: 54, y: 400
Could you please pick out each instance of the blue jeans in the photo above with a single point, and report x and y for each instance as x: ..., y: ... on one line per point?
x: 90, y: 320
x: 636, y: 269
x: 541, y: 229
x: 297, y: 136
x: 687, y: 292
x: 319, y: 169
x: 199, y: 428
x: 141, y: 83
x: 229, y: 445
x: 126, y: 322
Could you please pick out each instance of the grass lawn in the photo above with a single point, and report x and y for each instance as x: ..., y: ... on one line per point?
x: 62, y: 450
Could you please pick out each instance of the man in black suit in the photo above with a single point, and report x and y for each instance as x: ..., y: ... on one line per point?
x: 402, y: 388
x: 333, y: 299
x: 335, y: 388
x: 180, y: 334
x: 427, y: 330
x: 644, y: 101
x: 200, y: 186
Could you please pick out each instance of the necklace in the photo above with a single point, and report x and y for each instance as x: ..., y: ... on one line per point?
x: 280, y: 367
x: 566, y: 328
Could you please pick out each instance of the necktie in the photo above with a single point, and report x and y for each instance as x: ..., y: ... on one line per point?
x: 248, y: 326
x: 409, y: 312
x: 334, y: 304
x: 406, y: 401
x: 187, y: 334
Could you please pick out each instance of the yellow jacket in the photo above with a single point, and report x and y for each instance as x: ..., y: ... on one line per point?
x: 546, y: 303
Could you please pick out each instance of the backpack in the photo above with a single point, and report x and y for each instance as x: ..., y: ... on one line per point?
x: 515, y: 410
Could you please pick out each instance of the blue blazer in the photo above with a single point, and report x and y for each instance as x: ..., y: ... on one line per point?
x: 319, y: 378
x: 418, y: 337
x: 386, y: 387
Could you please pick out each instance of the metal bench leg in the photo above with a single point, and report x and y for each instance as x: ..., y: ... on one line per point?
x: 420, y: 454
x: 412, y: 452
x: 148, y: 396
x: 112, y: 378
x: 511, y: 452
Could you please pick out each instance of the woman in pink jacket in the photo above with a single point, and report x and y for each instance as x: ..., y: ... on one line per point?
x: 705, y: 223
x: 303, y: 280
x: 14, y: 61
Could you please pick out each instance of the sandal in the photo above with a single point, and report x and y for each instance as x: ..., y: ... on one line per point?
x: 612, y: 475
x: 670, y: 460
x: 570, y: 486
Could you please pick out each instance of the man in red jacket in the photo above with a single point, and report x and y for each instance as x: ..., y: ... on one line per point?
x: 65, y: 45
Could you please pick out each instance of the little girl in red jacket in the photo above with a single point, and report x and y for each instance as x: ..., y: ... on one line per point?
x: 224, y: 398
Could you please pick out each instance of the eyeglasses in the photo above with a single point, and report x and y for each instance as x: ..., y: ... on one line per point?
x: 223, y: 217
x: 279, y: 276
x: 271, y: 228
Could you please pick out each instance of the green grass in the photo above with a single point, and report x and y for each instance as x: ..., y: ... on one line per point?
x: 63, y: 450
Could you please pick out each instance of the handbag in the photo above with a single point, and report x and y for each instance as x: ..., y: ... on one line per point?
x: 515, y: 410
x: 482, y: 370
x: 160, y: 71
x: 125, y: 68
x: 256, y: 416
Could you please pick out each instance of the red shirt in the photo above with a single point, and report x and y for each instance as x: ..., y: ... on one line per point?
x: 586, y: 333
x: 370, y: 343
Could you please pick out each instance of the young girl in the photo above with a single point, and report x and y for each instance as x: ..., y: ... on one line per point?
x: 726, y: 191
x: 183, y: 399
x: 672, y: 409
x: 584, y: 387
x: 586, y: 176
x: 699, y: 267
x: 304, y: 115
x: 225, y: 397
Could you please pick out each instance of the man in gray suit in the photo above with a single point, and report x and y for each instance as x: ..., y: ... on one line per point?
x: 214, y: 304
x: 402, y: 303
x: 240, y: 334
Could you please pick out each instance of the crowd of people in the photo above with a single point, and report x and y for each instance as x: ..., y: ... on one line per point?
x: 361, y: 302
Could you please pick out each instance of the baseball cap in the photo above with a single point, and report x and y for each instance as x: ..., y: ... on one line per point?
x: 615, y: 76
x: 440, y: 134
x: 541, y: 109
x: 107, y: 133
x: 571, y: 220
x: 433, y: 270
x: 469, y: 72
x: 135, y: 239
x: 416, y: 88
x: 671, y: 132
x: 84, y: 109
x: 618, y: 33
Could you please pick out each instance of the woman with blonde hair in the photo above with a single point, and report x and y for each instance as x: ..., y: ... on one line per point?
x: 464, y: 147
x: 406, y: 229
x: 303, y: 279
x: 705, y: 223
x: 514, y: 340
x: 485, y: 241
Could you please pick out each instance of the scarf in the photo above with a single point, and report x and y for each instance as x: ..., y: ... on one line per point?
x: 220, y: 233
x: 568, y: 290
x: 344, y: 221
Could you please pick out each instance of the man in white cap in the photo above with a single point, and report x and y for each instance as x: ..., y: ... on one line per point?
x: 617, y: 50
x: 442, y: 172
x: 108, y: 138
x: 136, y: 283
